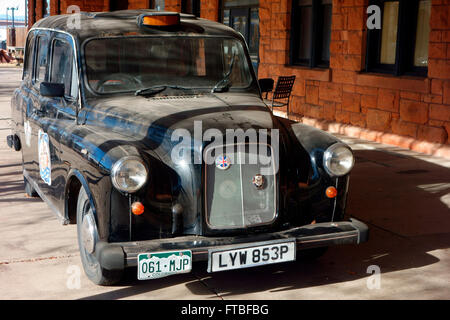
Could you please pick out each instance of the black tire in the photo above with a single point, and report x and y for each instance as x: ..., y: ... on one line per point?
x: 91, y: 265
x: 311, y: 254
x: 29, y: 190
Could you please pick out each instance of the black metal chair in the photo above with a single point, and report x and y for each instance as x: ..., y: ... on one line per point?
x: 282, y: 91
x: 266, y: 85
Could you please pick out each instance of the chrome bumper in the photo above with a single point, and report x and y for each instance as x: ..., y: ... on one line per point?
x: 113, y: 256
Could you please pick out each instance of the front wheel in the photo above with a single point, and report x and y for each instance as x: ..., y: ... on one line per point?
x: 87, y: 237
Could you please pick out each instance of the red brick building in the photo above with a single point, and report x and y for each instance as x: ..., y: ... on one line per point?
x: 390, y: 85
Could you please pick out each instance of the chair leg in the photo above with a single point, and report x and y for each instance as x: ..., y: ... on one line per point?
x: 287, y: 109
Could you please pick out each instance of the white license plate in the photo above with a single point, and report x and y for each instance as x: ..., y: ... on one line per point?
x: 251, y: 255
x: 162, y: 264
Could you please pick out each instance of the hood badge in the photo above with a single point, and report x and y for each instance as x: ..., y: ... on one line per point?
x: 258, y: 181
x: 223, y: 162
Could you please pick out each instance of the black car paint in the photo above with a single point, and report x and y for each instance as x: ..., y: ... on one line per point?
x: 89, y: 134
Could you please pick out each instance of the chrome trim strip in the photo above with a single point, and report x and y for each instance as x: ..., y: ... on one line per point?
x: 242, y: 187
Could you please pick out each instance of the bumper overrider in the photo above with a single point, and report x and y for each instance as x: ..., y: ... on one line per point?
x: 117, y: 256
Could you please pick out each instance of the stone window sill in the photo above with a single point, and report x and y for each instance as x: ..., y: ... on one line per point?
x: 386, y: 81
x: 317, y: 74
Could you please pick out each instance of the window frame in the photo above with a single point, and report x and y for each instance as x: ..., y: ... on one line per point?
x: 27, y: 75
x: 316, y: 42
x: 72, y: 64
x: 405, y: 46
x: 248, y: 8
x: 36, y: 82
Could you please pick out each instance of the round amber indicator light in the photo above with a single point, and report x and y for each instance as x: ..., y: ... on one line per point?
x: 331, y: 192
x: 137, y: 208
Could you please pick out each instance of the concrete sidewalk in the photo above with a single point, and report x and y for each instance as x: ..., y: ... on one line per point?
x: 403, y: 196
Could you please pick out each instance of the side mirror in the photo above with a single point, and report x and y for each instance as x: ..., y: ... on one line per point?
x: 50, y: 89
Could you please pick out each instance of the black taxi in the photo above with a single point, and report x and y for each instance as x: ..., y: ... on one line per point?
x: 147, y: 129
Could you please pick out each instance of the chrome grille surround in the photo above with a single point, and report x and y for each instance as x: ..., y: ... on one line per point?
x: 245, y: 214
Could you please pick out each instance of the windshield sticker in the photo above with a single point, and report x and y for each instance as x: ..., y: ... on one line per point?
x: 27, y: 131
x: 45, y: 168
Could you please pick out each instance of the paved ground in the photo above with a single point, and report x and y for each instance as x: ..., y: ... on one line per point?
x: 403, y: 196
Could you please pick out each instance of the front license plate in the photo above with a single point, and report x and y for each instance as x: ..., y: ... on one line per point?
x: 251, y: 255
x: 163, y: 264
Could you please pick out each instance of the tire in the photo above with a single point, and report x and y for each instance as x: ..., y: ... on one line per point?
x: 91, y: 265
x: 29, y: 190
x: 311, y: 254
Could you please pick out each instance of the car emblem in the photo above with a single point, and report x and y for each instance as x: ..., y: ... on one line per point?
x: 258, y: 181
x: 223, y: 162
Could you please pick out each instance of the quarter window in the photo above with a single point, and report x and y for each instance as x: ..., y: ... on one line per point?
x: 311, y: 33
x: 29, y: 54
x: 401, y: 46
x: 42, y: 58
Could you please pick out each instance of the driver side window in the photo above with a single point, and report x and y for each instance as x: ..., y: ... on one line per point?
x: 62, y: 67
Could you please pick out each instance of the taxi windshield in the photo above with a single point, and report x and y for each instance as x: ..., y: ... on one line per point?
x: 150, y: 65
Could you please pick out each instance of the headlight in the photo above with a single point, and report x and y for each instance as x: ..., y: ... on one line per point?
x: 129, y: 174
x: 338, y: 160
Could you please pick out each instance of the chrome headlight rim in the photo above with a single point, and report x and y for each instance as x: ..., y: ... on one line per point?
x: 118, y: 165
x: 328, y: 155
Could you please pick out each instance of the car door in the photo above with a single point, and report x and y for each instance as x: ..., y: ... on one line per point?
x: 34, y: 112
x: 59, y: 113
x: 24, y: 102
x: 50, y: 115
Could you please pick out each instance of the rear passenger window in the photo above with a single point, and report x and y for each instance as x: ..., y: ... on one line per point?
x: 28, y: 68
x: 42, y: 59
x: 62, y: 65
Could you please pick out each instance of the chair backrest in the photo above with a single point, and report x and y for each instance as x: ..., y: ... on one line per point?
x: 266, y: 84
x: 284, y: 87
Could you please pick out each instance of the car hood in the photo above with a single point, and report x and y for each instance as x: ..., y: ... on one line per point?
x: 152, y: 121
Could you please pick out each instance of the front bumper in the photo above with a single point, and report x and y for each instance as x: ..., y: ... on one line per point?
x: 115, y: 256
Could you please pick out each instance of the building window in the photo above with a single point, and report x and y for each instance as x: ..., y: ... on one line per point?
x: 401, y: 46
x: 243, y: 16
x: 191, y: 7
x: 311, y: 33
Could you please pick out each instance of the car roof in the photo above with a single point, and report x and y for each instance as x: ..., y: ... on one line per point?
x: 125, y: 22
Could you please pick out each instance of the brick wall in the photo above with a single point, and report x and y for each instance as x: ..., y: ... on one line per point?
x: 410, y: 107
x: 139, y: 4
x: 209, y: 9
x: 172, y: 5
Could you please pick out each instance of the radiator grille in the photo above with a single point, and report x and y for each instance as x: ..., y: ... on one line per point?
x: 233, y: 196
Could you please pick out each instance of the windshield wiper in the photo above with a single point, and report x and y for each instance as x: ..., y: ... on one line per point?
x: 153, y: 90
x: 225, y: 79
